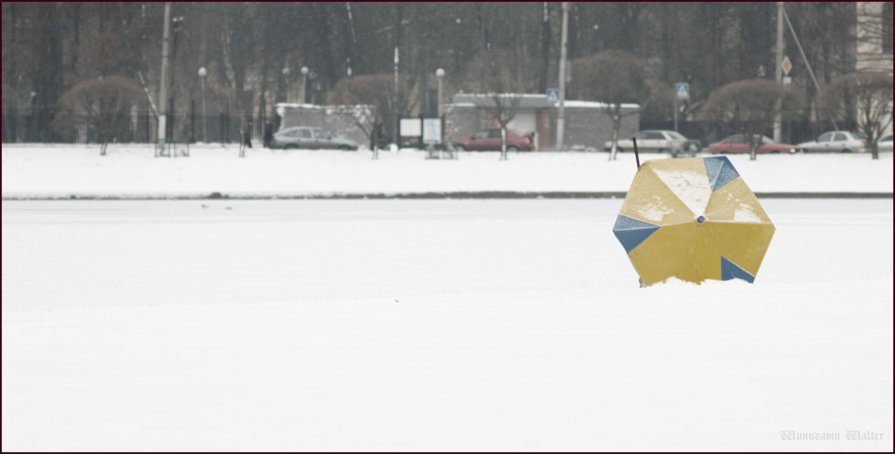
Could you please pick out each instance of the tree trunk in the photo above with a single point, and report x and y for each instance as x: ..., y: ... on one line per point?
x: 503, y: 142
x: 545, y: 48
x: 12, y: 135
x: 616, y: 125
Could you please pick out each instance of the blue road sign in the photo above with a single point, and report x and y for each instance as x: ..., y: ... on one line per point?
x: 682, y: 90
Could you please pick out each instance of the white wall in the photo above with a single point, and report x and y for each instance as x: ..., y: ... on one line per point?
x: 523, y: 123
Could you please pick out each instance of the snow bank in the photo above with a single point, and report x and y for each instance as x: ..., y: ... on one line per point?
x: 131, y: 171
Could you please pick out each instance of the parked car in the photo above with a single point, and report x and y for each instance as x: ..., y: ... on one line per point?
x: 739, y: 143
x: 885, y: 144
x: 835, y: 141
x: 310, y: 137
x: 657, y: 141
x: 489, y: 140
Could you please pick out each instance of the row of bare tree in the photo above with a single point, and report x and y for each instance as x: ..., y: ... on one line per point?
x: 253, y: 53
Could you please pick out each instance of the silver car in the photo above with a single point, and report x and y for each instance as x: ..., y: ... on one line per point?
x: 657, y: 141
x: 310, y: 137
x: 835, y: 142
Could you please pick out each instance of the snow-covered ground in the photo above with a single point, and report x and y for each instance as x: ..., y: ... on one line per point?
x: 53, y: 171
x: 429, y: 325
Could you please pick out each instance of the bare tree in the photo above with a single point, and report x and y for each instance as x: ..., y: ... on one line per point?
x: 494, y: 76
x: 102, y: 105
x: 372, y: 97
x: 614, y: 78
x: 50, y: 47
x: 749, y: 105
x: 375, y: 94
x: 866, y: 95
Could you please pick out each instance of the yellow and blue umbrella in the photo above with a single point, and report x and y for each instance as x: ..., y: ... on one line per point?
x: 693, y: 219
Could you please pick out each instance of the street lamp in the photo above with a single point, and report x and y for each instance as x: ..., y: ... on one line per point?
x: 304, y: 84
x: 440, y: 74
x: 203, y: 73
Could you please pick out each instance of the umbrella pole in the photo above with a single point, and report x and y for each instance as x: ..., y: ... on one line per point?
x: 636, y: 153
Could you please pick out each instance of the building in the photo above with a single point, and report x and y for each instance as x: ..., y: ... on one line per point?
x: 873, y: 41
x: 588, y: 125
x: 873, y: 36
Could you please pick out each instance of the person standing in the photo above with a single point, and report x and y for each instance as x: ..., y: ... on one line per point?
x: 268, y: 135
x: 247, y: 135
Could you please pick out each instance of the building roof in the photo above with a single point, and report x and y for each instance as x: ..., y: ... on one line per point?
x: 528, y: 101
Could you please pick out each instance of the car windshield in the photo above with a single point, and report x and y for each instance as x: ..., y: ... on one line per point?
x: 676, y: 135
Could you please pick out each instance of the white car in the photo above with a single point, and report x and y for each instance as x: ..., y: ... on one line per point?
x: 836, y: 142
x: 885, y: 144
x: 657, y: 141
x: 312, y: 138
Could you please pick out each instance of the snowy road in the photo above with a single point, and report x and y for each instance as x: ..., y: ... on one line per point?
x: 432, y: 325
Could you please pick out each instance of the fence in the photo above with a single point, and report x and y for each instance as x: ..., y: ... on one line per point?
x: 138, y: 128
x: 225, y: 128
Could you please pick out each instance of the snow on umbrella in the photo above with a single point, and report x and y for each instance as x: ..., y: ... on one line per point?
x: 693, y: 219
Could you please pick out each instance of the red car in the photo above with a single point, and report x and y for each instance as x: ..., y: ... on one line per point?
x: 489, y: 140
x: 739, y: 143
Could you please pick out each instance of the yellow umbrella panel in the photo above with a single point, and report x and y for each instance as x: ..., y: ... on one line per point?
x: 693, y: 219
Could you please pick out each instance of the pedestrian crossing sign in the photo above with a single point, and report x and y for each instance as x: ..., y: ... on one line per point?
x: 682, y: 89
x: 552, y: 94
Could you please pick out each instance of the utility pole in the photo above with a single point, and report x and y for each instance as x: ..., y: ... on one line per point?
x: 399, y: 9
x: 560, y: 118
x: 397, y: 110
x: 675, y: 111
x: 163, y: 89
x: 778, y: 74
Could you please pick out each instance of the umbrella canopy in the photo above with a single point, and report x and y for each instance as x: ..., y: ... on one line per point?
x: 693, y: 219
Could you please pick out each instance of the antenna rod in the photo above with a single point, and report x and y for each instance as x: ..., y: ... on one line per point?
x: 636, y: 153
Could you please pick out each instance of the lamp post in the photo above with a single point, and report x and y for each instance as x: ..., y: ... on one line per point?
x: 282, y: 85
x: 203, y: 73
x: 304, y: 84
x: 440, y: 74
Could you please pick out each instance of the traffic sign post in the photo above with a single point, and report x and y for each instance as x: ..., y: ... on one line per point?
x: 682, y: 93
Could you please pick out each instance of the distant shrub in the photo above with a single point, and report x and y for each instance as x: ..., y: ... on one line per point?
x: 749, y: 105
x: 103, y: 105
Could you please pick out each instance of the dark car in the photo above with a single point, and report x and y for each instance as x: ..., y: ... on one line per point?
x: 739, y: 143
x: 311, y: 138
x: 489, y: 140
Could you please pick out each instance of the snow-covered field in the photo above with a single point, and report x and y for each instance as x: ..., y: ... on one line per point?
x: 428, y: 325
x: 54, y: 171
